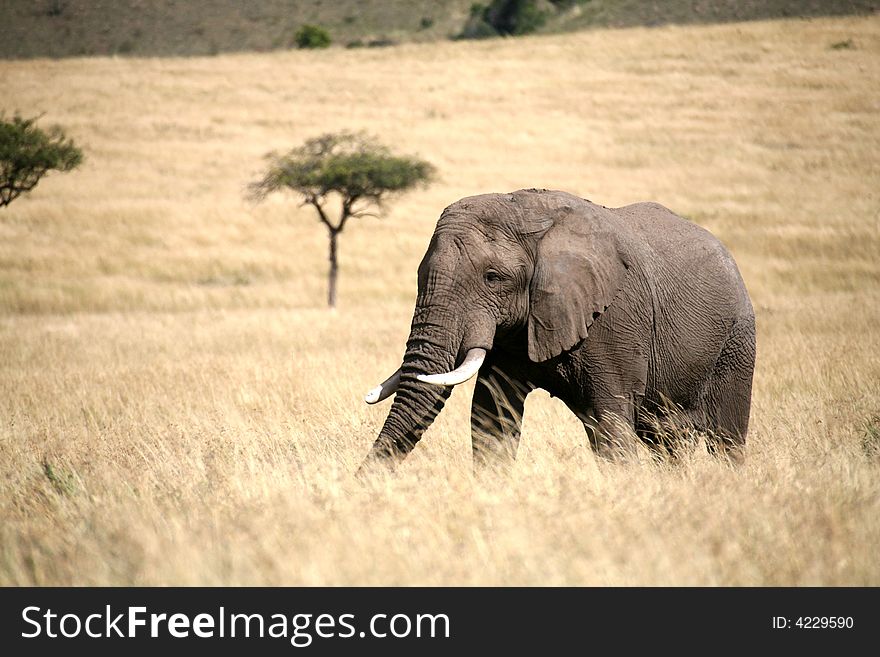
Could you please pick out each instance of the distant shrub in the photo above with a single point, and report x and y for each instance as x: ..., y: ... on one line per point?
x: 56, y: 8
x: 477, y: 10
x: 477, y: 28
x: 382, y: 42
x: 503, y: 17
x: 567, y: 4
x: 426, y: 23
x: 842, y: 45
x: 312, y: 36
x: 515, y: 17
x: 357, y: 43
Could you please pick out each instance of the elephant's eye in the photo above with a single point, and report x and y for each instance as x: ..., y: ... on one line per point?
x: 492, y: 276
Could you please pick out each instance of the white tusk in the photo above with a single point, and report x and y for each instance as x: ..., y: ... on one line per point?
x: 384, y: 390
x: 472, y: 363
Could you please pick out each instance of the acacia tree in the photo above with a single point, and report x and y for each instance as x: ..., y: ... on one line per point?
x: 27, y: 153
x: 353, y: 168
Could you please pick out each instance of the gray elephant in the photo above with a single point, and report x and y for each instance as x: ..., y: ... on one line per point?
x: 625, y: 314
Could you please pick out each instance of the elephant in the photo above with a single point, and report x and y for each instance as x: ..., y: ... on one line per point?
x: 631, y: 316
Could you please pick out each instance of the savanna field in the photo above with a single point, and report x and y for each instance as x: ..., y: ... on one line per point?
x: 178, y: 406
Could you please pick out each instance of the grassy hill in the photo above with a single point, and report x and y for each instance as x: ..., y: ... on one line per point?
x: 63, y: 28
x: 178, y: 406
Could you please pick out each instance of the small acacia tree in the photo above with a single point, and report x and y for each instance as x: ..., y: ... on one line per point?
x: 27, y: 153
x: 352, y: 167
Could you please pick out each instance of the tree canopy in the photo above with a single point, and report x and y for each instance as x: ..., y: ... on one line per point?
x: 27, y: 153
x: 354, y: 166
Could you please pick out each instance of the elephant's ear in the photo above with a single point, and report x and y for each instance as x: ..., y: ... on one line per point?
x: 578, y: 271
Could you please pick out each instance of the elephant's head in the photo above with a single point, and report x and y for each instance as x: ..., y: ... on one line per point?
x: 533, y: 268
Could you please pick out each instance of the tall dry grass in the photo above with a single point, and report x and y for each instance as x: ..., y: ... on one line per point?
x: 177, y: 407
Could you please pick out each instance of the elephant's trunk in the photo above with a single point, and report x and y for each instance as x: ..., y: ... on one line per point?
x: 439, y: 340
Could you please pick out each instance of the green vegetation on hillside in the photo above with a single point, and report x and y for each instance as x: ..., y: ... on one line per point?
x: 312, y: 36
x: 65, y: 28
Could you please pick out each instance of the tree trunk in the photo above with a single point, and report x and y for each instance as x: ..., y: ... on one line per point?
x: 334, y: 270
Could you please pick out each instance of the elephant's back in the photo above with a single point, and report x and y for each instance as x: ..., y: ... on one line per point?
x: 687, y: 252
x: 667, y: 233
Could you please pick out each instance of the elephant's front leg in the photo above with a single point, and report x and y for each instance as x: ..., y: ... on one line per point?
x: 496, y: 416
x: 611, y: 429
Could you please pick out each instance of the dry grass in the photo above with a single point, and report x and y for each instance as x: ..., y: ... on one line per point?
x: 177, y: 406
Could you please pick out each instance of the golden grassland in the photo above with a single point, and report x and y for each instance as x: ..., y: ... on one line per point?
x: 177, y: 406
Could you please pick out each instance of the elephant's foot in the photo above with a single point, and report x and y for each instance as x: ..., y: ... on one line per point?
x: 614, y: 439
x: 384, y: 457
x: 733, y: 449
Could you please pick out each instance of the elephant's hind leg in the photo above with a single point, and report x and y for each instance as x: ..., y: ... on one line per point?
x: 496, y: 416
x: 610, y: 429
x: 728, y: 396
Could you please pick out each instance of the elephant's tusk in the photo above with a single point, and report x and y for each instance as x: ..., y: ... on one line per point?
x: 472, y: 363
x: 384, y: 390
